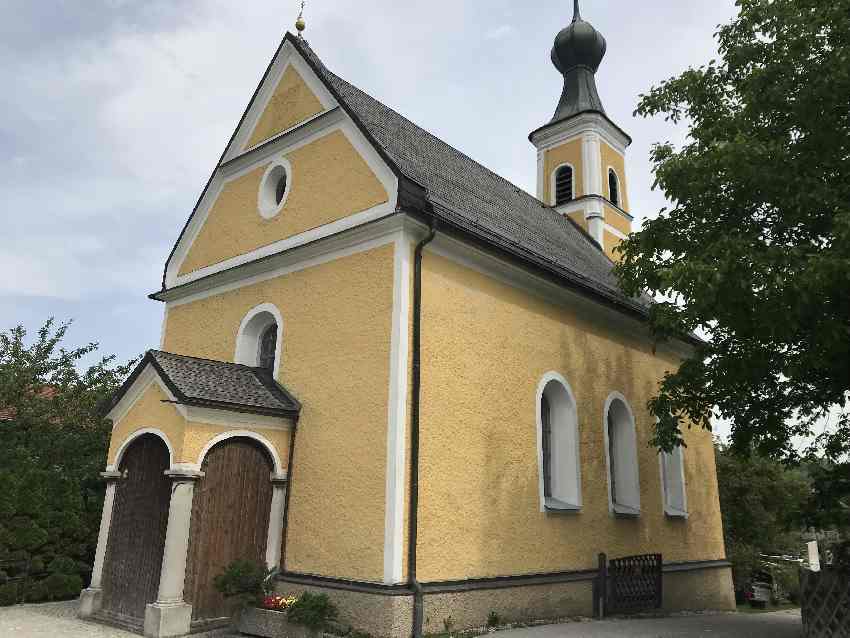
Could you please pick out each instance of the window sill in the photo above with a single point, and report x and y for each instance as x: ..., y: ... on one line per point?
x: 625, y: 511
x: 560, y: 507
x: 679, y: 514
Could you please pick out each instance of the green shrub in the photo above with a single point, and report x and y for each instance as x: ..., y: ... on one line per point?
x: 8, y: 594
x: 245, y: 581
x: 493, y: 619
x: 63, y: 586
x: 60, y: 565
x: 312, y: 610
x: 36, y: 592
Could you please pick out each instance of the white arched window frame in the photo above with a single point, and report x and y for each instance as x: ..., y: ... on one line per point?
x: 618, y: 200
x: 251, y: 331
x: 560, y: 491
x: 554, y: 184
x: 621, y: 459
x: 674, y: 495
x: 269, y: 201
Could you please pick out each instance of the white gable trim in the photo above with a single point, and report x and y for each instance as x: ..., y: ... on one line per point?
x: 287, y: 56
x: 148, y: 377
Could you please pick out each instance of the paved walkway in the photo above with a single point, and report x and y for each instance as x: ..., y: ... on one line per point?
x: 59, y: 620
x: 781, y: 624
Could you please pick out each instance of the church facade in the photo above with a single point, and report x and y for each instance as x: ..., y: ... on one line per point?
x: 400, y: 379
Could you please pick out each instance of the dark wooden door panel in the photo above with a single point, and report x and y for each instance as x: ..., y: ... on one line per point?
x: 230, y: 520
x: 137, y: 532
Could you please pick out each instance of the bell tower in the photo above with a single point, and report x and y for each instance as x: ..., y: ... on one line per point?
x: 581, y: 168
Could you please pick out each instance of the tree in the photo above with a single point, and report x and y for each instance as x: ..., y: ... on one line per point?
x: 754, y: 251
x: 53, y: 443
x: 764, y: 506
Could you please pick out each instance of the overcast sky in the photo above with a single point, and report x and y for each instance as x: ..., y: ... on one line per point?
x: 114, y: 113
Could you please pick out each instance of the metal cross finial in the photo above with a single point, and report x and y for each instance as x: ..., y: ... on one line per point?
x: 576, y: 11
x: 300, y: 23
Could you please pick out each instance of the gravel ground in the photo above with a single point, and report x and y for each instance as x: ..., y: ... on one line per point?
x: 59, y: 620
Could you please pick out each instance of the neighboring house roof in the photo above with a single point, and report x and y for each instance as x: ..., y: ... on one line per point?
x: 466, y: 195
x: 44, y: 392
x: 215, y: 384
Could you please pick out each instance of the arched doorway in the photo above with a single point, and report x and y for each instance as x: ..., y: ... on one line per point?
x: 137, y: 532
x: 230, y: 520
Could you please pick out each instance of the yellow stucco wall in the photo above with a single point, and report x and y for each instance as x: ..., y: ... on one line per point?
x: 330, y: 180
x: 335, y: 360
x: 187, y: 438
x: 569, y: 153
x: 612, y: 158
x: 291, y: 103
x: 485, y: 348
x: 614, y: 218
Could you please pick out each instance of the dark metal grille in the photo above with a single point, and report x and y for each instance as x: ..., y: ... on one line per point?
x: 825, y: 603
x: 614, y: 188
x: 563, y: 185
x: 634, y: 584
x: 546, y: 436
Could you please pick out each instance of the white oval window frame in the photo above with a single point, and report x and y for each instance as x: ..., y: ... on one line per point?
x: 266, y: 195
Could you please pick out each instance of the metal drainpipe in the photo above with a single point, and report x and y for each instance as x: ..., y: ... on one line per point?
x: 282, y: 566
x: 414, y: 433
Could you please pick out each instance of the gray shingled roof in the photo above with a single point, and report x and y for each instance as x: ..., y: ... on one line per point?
x: 216, y: 384
x: 467, y: 195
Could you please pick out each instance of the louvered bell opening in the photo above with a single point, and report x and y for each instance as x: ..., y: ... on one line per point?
x: 563, y: 186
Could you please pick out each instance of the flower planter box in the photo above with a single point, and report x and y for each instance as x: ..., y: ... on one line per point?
x: 271, y: 624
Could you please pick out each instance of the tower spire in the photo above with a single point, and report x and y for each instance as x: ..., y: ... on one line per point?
x: 300, y: 23
x: 576, y: 11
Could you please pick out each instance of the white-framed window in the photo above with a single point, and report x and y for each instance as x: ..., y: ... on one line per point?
x: 563, y: 185
x: 259, y: 340
x: 614, y: 187
x: 621, y: 457
x: 274, y: 188
x: 559, y: 457
x: 672, y: 466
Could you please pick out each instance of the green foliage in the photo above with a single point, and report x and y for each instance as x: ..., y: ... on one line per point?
x: 763, y: 503
x: 493, y: 619
x: 8, y: 594
x: 788, y: 579
x: 51, y: 451
x: 755, y: 249
x: 841, y: 555
x: 245, y: 581
x: 312, y: 610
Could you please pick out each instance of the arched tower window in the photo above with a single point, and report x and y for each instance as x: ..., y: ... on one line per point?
x: 560, y: 476
x: 563, y: 185
x: 621, y: 455
x: 614, y: 187
x: 268, y: 348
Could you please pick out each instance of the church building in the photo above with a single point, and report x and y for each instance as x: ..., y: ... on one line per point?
x: 401, y: 380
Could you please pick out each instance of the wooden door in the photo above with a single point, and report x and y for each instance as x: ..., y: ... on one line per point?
x: 137, y: 532
x: 230, y: 520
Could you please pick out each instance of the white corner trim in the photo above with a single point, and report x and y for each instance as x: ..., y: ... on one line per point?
x: 119, y: 455
x: 610, y: 229
x: 541, y: 179
x: 553, y: 183
x: 397, y: 413
x: 541, y: 387
x: 276, y: 152
x: 617, y: 396
x: 285, y: 58
x: 247, y: 434
x: 148, y: 377
x: 247, y: 343
x: 163, y: 328
x: 266, y: 193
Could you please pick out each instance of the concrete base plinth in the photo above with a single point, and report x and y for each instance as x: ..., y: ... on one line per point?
x: 91, y: 600
x: 167, y: 621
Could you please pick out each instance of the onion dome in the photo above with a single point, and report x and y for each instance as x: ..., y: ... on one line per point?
x: 577, y: 54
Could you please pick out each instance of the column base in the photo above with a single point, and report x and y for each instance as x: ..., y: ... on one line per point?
x: 91, y: 600
x: 166, y: 620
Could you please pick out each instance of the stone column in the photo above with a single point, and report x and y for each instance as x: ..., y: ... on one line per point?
x: 91, y: 598
x: 170, y: 615
x: 275, y: 537
x: 594, y: 213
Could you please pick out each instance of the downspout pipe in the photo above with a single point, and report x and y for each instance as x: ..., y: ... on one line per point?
x: 418, y: 602
x: 282, y: 566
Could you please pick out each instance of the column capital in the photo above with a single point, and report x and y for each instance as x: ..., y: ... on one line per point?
x: 184, y: 476
x: 111, y: 476
x: 280, y: 479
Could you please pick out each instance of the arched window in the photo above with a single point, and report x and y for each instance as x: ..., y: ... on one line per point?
x: 621, y: 457
x: 268, y: 348
x: 563, y: 185
x: 560, y: 474
x: 673, y: 483
x: 258, y: 342
x: 613, y: 187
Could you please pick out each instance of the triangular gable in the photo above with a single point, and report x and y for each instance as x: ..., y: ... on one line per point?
x: 290, y: 77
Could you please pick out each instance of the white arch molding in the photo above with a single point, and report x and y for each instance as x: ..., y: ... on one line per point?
x: 553, y: 182
x: 244, y: 434
x: 135, y: 435
x: 565, y: 448
x: 626, y: 465
x: 251, y: 329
